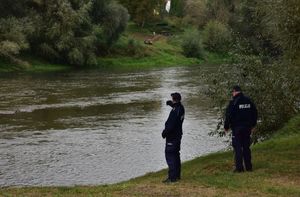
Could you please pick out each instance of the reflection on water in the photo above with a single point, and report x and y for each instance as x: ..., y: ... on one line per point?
x: 96, y: 127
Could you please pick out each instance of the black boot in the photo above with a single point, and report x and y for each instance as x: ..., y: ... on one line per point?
x: 238, y: 170
x: 169, y: 180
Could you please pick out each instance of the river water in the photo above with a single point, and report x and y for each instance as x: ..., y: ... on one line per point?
x: 95, y: 127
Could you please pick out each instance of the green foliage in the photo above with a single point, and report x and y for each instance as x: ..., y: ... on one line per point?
x: 196, y: 13
x: 112, y: 17
x: 13, y: 38
x: 265, y: 29
x: 76, y: 57
x: 200, y: 12
x: 134, y: 47
x: 216, y: 37
x: 68, y: 31
x: 177, y: 7
x: 274, y: 88
x: 142, y: 11
x: 64, y: 33
x: 115, y: 22
x: 192, y: 45
x: 250, y: 30
x: 246, y: 19
x: 282, y: 19
x: 219, y: 10
x: 14, y: 8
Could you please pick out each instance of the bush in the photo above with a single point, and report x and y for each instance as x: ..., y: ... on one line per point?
x: 13, y: 38
x: 196, y: 13
x: 216, y: 37
x: 75, y: 57
x: 220, y: 10
x: 273, y: 87
x: 192, y: 45
x: 47, y: 51
x: 282, y: 22
x: 115, y: 22
x: 134, y: 47
x: 65, y: 31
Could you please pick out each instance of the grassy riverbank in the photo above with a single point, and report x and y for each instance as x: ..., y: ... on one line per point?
x: 276, y: 173
x: 163, y: 52
x: 35, y: 65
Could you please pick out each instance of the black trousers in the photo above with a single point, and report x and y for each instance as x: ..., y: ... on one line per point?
x: 241, y: 142
x: 172, y: 153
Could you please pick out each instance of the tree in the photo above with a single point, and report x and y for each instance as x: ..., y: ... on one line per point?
x: 219, y: 10
x: 13, y: 38
x: 63, y: 33
x: 14, y: 8
x: 199, y: 12
x: 192, y: 44
x: 250, y: 30
x: 15, y: 26
x: 143, y: 11
x: 282, y: 19
x: 216, y: 37
x: 69, y: 31
x: 196, y: 12
x: 273, y: 88
x: 112, y: 17
x: 177, y: 8
x: 268, y: 28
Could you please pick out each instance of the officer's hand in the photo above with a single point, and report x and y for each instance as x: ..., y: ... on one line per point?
x: 170, y: 103
x: 253, y: 130
x: 226, y: 130
x: 163, y: 134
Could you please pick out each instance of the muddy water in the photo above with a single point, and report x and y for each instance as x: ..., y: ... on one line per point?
x: 92, y: 127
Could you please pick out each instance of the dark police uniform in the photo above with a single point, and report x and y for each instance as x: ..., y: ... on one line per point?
x: 173, y: 135
x: 241, y: 117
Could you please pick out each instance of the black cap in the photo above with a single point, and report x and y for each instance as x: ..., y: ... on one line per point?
x: 237, y: 88
x: 176, y: 96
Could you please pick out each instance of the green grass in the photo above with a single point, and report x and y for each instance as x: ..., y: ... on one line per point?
x: 162, y: 55
x: 36, y: 65
x: 164, y: 52
x: 161, y: 58
x: 276, y: 173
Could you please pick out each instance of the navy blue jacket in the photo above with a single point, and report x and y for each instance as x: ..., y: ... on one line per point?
x: 173, y: 126
x: 241, y: 112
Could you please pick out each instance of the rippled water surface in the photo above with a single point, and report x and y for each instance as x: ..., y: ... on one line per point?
x: 93, y: 127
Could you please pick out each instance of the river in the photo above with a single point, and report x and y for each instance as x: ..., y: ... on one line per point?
x: 97, y: 127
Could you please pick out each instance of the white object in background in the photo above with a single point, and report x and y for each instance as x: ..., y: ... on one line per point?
x: 168, y: 6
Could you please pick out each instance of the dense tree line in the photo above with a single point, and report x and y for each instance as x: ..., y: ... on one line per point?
x: 259, y: 27
x: 144, y: 11
x: 264, y: 44
x: 68, y: 31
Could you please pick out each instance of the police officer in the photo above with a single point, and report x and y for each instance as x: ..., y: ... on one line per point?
x: 241, y: 117
x: 173, y: 135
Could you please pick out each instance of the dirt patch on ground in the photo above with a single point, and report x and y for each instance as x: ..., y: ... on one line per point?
x: 143, y: 37
x: 285, y: 181
x: 182, y: 190
x: 168, y: 190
